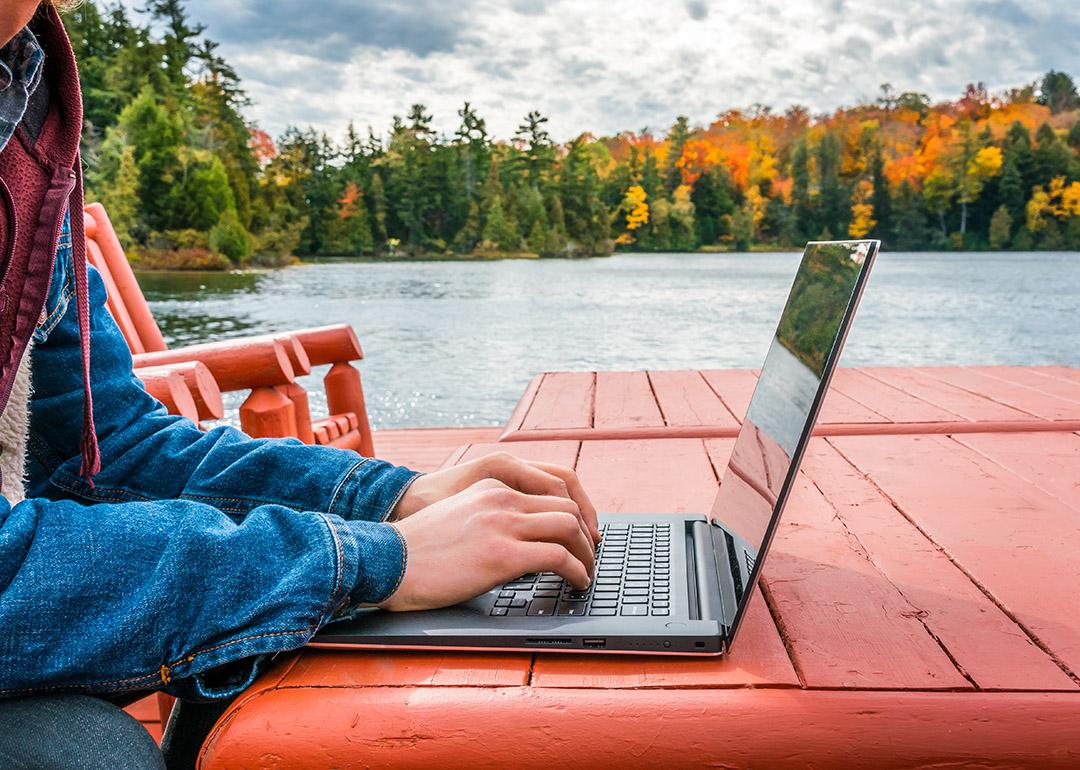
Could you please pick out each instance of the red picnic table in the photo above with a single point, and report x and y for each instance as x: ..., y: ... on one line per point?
x: 919, y: 606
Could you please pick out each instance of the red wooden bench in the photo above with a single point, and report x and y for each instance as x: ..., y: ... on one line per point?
x: 265, y: 365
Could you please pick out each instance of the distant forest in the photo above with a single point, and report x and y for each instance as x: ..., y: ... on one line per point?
x: 189, y: 182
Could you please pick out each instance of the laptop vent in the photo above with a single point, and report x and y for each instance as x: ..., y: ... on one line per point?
x: 749, y: 563
x: 733, y: 563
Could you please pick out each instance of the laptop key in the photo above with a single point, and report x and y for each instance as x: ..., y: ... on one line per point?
x: 507, y: 595
x: 571, y: 608
x: 660, y: 611
x: 503, y: 602
x: 498, y: 611
x: 635, y: 609
x: 602, y: 610
x: 635, y: 592
x: 542, y: 607
x: 635, y: 600
x: 577, y: 596
x: 544, y: 594
x: 605, y: 602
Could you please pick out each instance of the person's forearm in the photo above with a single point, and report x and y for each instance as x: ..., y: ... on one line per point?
x: 149, y: 455
x: 125, y: 597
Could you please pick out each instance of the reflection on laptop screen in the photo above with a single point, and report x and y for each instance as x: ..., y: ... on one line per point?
x: 781, y: 410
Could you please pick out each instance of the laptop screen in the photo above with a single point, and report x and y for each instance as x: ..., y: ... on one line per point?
x: 785, y: 402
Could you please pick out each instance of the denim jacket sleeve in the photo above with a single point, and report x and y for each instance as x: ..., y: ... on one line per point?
x: 194, y: 556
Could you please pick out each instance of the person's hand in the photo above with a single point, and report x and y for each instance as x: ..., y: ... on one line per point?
x: 484, y: 536
x: 534, y: 478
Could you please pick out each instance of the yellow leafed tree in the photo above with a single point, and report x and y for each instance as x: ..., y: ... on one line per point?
x: 862, y: 211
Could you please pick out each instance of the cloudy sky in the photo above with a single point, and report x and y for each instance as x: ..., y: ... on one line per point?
x: 606, y: 66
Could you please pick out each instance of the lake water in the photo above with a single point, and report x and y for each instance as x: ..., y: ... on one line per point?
x: 455, y: 343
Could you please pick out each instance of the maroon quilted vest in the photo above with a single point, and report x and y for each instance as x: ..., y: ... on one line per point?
x: 37, y: 179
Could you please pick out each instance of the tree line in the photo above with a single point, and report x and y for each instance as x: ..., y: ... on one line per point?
x: 189, y: 182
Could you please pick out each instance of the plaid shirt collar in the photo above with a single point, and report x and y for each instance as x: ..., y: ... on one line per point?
x: 20, y: 73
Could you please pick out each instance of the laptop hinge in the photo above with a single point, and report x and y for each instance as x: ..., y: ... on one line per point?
x: 728, y: 582
x: 709, y: 594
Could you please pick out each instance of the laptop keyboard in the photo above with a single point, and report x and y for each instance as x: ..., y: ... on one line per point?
x: 633, y: 578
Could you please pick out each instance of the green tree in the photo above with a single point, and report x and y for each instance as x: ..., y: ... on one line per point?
x: 1058, y: 92
x: 1001, y: 228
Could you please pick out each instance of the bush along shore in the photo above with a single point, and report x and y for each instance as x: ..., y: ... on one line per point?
x: 190, y: 183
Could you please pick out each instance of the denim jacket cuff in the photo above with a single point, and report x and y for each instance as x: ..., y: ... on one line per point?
x: 371, y: 490
x: 381, y: 558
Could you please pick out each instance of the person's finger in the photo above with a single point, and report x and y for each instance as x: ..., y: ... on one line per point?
x: 552, y: 557
x: 577, y: 494
x: 529, y: 478
x: 558, y: 527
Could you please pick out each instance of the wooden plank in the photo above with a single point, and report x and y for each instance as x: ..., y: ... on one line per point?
x: 1014, y: 540
x: 335, y: 668
x: 658, y: 476
x: 734, y: 387
x: 625, y: 399
x: 1034, y: 378
x: 845, y: 624
x: 425, y: 449
x: 686, y: 399
x: 538, y: 728
x: 1050, y: 461
x: 841, y: 409
x: 759, y: 659
x: 985, y: 642
x: 893, y: 403
x: 1037, y: 402
x: 967, y: 405
x: 564, y: 400
x: 524, y: 404
x: 1068, y: 373
x: 558, y: 452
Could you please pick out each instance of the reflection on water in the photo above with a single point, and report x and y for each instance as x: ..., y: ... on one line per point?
x: 455, y: 343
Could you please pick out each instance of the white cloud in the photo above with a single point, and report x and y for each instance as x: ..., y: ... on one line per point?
x: 608, y: 66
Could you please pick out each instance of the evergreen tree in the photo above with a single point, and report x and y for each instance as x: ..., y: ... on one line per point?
x: 881, y: 198
x: 1001, y: 228
x: 832, y: 197
x: 909, y: 228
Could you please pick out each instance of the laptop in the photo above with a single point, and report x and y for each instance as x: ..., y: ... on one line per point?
x: 667, y: 583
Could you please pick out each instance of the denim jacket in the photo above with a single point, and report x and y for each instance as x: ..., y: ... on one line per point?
x: 195, y: 556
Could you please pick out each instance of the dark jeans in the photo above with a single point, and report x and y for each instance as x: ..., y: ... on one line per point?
x: 58, y: 732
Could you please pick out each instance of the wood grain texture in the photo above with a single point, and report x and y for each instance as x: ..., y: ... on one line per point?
x: 987, y: 645
x: 537, y: 728
x: 334, y: 668
x: 967, y: 405
x: 625, y: 399
x: 1035, y: 378
x: 1017, y: 542
x: 1050, y: 461
x: 685, y: 399
x: 897, y: 405
x: 1040, y: 403
x: 664, y: 476
x: 565, y: 400
x: 734, y: 387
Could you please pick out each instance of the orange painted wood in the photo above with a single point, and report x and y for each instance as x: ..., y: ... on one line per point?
x: 895, y: 404
x: 539, y: 728
x: 1049, y: 461
x: 685, y: 399
x: 350, y: 440
x: 1015, y: 541
x: 345, y: 393
x: 130, y: 295
x: 988, y: 647
x: 116, y: 307
x: 915, y: 401
x: 335, y: 668
x: 1027, y: 399
x: 642, y: 477
x: 329, y: 344
x: 968, y: 405
x: 266, y: 413
x: 200, y: 384
x: 425, y: 449
x: 558, y: 452
x: 168, y: 387
x: 524, y: 404
x: 565, y: 400
x: 1040, y: 379
x: 235, y: 364
x: 625, y: 399
x: 301, y: 410
x: 734, y: 387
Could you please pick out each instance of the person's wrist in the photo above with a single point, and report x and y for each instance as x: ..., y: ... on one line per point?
x: 413, y: 499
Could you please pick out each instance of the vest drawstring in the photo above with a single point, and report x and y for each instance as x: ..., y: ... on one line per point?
x: 88, y: 445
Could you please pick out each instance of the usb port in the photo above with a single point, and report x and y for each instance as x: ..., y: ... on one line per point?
x: 594, y: 643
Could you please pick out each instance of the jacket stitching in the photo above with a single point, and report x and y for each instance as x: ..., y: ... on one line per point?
x: 341, y: 484
x: 189, y: 658
x: 404, y: 561
x: 400, y: 494
x: 339, y: 564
